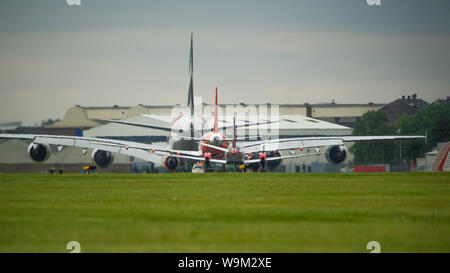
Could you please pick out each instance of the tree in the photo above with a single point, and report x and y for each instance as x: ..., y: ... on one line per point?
x: 433, y: 120
x: 373, y: 123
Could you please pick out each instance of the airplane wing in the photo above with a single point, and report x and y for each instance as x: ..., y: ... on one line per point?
x: 371, y: 138
x: 139, y: 150
x: 292, y: 144
x: 192, y: 157
x: 311, y: 142
x: 135, y: 149
x: 251, y: 161
x: 247, y: 161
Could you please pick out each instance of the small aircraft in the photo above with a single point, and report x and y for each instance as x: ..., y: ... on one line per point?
x: 191, y: 138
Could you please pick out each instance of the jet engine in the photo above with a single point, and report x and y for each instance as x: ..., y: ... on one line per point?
x: 102, y: 158
x: 336, y: 154
x: 272, y: 164
x: 171, y: 163
x: 216, y: 140
x: 39, y: 152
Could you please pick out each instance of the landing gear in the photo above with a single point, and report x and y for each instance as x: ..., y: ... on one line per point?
x: 198, y: 168
x: 255, y: 167
x: 202, y: 167
x: 263, y: 165
x: 207, y: 163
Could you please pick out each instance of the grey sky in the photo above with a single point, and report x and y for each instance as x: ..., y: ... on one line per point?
x: 53, y: 56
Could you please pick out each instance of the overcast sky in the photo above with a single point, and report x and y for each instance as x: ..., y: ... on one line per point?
x: 105, y: 52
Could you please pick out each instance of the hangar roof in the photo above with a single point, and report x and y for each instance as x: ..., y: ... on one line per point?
x: 289, y: 125
x: 90, y: 116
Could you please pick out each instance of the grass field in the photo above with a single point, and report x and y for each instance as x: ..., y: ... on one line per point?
x: 225, y: 212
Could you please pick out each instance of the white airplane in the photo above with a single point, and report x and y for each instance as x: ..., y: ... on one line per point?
x: 188, y: 140
x: 215, y: 147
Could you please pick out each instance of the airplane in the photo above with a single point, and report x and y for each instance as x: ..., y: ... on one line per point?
x: 215, y: 148
x: 191, y: 138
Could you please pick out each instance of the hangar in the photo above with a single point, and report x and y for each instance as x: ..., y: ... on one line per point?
x: 79, y: 118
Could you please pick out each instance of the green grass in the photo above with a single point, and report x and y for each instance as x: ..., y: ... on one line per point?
x: 225, y: 212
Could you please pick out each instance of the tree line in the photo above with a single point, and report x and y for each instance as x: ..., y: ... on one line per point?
x: 432, y: 121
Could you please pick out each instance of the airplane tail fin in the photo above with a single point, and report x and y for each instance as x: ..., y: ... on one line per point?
x: 190, y: 102
x: 234, y: 132
x: 215, y: 114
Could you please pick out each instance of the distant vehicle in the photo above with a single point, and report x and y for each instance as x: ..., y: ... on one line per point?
x: 89, y: 169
